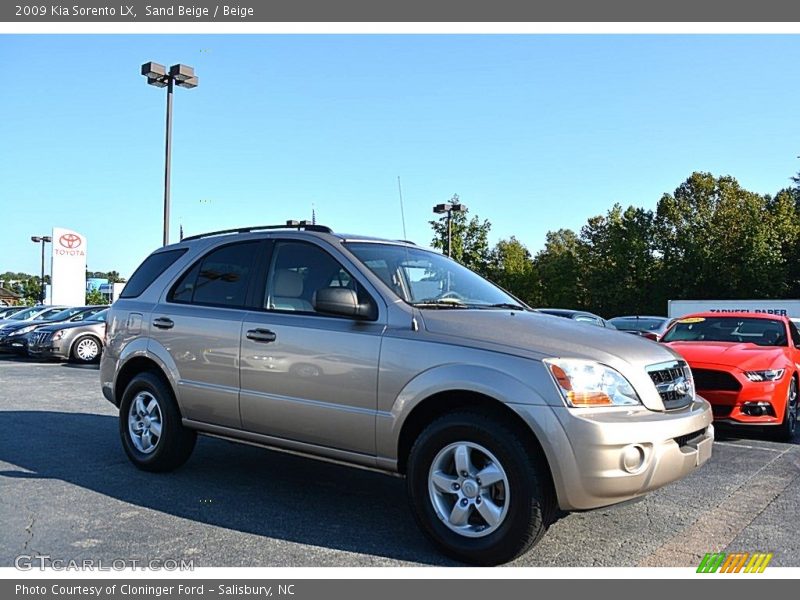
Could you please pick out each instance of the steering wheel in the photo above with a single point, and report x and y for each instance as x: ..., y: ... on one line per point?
x: 451, y: 295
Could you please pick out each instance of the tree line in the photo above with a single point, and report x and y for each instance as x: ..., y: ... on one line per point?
x: 29, y: 287
x: 710, y: 238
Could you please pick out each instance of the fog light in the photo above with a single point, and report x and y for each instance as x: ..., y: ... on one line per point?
x: 632, y: 458
x: 757, y: 409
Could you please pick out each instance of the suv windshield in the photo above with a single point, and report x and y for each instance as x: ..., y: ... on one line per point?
x: 737, y: 330
x: 426, y: 279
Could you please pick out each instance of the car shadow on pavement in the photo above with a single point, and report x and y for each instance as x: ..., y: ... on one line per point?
x: 226, y: 485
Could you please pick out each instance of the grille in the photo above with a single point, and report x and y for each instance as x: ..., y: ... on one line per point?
x: 37, y: 339
x: 709, y: 379
x: 683, y: 440
x: 721, y: 410
x: 673, y: 382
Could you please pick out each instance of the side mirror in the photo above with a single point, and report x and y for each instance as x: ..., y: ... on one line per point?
x: 343, y: 302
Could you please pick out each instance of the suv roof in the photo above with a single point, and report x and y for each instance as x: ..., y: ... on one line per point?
x: 297, y: 226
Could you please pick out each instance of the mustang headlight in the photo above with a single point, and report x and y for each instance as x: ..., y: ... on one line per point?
x: 770, y: 375
x: 588, y: 383
x: 23, y: 331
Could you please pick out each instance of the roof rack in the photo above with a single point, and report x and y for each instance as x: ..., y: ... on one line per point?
x: 305, y: 225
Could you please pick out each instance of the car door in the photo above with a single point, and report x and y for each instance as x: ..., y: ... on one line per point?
x: 198, y: 323
x: 307, y: 376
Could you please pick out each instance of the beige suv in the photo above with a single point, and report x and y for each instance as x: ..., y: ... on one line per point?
x: 381, y: 354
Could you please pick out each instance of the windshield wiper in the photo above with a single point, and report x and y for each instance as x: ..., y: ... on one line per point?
x: 503, y: 305
x: 439, y: 303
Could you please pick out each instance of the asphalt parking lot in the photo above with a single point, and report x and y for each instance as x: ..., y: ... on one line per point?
x: 68, y: 491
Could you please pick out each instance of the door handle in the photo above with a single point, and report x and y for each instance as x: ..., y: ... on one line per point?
x: 261, y: 335
x: 163, y: 323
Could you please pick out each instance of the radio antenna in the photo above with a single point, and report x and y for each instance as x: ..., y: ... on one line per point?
x: 402, y: 211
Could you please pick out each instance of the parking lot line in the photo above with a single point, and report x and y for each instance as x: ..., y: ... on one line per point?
x: 715, y: 529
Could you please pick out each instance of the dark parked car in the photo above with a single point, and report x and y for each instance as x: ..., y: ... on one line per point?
x: 646, y: 326
x: 581, y: 316
x: 14, y: 334
x: 79, y: 341
x: 7, y: 311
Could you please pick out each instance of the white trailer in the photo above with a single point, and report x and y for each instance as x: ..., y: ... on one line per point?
x: 787, y: 308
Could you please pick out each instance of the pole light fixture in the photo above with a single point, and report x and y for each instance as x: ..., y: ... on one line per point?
x: 41, y: 239
x: 448, y: 208
x: 158, y: 76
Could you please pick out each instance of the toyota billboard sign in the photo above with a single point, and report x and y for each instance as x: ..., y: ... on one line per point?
x: 68, y: 268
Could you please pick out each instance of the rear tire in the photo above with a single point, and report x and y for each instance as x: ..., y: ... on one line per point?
x: 150, y: 425
x: 450, y: 507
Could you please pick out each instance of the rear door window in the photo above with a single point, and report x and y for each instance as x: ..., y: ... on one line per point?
x: 153, y: 266
x: 220, y: 278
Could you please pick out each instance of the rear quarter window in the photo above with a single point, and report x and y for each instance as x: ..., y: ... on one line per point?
x: 153, y: 266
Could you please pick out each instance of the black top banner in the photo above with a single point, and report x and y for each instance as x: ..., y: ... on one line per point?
x: 266, y: 11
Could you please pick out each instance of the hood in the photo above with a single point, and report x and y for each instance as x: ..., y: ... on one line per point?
x: 546, y: 336
x: 14, y: 325
x: 747, y: 357
x: 67, y: 325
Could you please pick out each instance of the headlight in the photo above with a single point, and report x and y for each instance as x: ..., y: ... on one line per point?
x: 23, y: 331
x: 58, y: 335
x: 770, y: 375
x: 587, y: 383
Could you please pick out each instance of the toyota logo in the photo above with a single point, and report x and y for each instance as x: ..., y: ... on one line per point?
x: 70, y: 240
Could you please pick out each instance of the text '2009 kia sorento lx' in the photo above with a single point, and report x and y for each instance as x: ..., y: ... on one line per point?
x: 381, y: 354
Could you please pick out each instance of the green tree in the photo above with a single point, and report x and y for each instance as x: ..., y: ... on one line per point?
x: 94, y: 296
x: 718, y: 240
x: 559, y: 267
x: 511, y: 267
x: 470, y: 239
x: 619, y: 268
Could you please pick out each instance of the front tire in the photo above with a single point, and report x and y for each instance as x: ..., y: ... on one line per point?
x: 477, y: 490
x: 150, y: 425
x: 787, y: 429
x: 86, y: 349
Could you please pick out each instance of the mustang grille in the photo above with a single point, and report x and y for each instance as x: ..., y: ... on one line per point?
x: 709, y: 379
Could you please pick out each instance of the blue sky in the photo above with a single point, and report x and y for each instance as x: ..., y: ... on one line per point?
x: 533, y: 132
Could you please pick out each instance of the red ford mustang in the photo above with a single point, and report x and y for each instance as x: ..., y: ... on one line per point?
x: 746, y: 366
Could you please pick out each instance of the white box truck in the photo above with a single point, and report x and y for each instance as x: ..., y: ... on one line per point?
x: 787, y: 308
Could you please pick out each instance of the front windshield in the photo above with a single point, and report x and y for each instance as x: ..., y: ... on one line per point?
x: 99, y: 316
x: 25, y: 314
x: 48, y: 314
x: 737, y: 330
x: 61, y: 316
x: 426, y: 279
x: 638, y: 324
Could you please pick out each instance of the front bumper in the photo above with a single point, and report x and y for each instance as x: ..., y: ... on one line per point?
x: 603, y: 457
x: 48, y: 351
x: 16, y: 344
x: 730, y: 406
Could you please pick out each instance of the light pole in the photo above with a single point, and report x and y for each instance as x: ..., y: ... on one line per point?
x: 448, y: 208
x: 158, y: 76
x: 41, y: 239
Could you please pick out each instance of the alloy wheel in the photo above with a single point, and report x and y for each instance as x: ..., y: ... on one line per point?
x: 145, y: 422
x: 469, y: 489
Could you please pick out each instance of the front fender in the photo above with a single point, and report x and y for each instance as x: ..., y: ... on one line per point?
x: 447, y: 378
